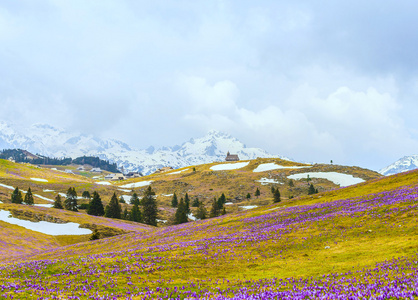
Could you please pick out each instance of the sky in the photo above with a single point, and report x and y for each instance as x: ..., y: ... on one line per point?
x: 311, y: 80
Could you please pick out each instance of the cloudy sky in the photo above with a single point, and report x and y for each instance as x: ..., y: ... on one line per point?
x: 311, y: 80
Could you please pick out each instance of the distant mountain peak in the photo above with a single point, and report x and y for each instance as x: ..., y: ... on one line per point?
x: 404, y: 164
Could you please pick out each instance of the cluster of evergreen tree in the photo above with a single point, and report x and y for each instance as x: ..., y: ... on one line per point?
x: 218, y: 206
x: 17, y: 197
x: 312, y: 190
x: 70, y: 202
x: 20, y: 155
x: 183, y: 209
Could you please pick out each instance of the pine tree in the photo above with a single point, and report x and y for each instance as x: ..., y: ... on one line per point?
x: 17, y: 196
x: 311, y: 189
x: 187, y: 203
x: 29, y: 197
x: 181, y: 213
x: 174, y: 201
x: 71, y: 202
x: 134, y: 199
x: 201, y: 211
x: 121, y: 199
x: 195, y: 202
x: 221, y: 201
x: 57, y: 202
x: 223, y: 211
x: 257, y: 193
x: 248, y: 196
x: 149, y: 206
x: 86, y: 195
x: 276, y: 196
x: 96, y: 205
x: 135, y: 215
x: 113, y: 209
x: 273, y: 189
x: 214, y: 211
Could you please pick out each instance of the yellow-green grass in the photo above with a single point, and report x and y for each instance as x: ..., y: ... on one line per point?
x: 355, y: 241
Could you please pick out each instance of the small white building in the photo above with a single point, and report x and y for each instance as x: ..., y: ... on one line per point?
x: 96, y: 170
x: 118, y: 176
x: 110, y: 176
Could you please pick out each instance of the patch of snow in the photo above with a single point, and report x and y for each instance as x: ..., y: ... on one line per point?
x: 137, y: 184
x: 39, y: 179
x: 273, y: 166
x: 337, y: 178
x: 7, y: 186
x: 62, y: 194
x: 97, y: 177
x: 191, y: 217
x: 123, y: 190
x: 54, y: 169
x: 229, y: 203
x: 162, y: 221
x: 126, y: 197
x: 42, y: 197
x: 176, y: 172
x: 230, y: 166
x: 103, y: 183
x: 265, y: 181
x: 167, y: 195
x: 246, y: 207
x: 48, y: 191
x: 45, y: 227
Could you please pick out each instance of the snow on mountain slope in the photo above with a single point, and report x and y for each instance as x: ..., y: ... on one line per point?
x: 404, y: 164
x: 54, y: 142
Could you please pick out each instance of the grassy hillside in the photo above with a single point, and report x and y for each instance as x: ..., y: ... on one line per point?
x: 357, y: 242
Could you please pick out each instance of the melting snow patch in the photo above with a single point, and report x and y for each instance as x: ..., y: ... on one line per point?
x: 191, y: 217
x: 45, y: 227
x: 233, y: 166
x: 177, y: 172
x: 103, y: 183
x: 48, y: 191
x: 229, y: 203
x: 337, y: 178
x: 162, y: 221
x: 39, y: 179
x: 248, y: 207
x: 44, y: 205
x: 7, y: 186
x: 167, y: 195
x: 273, y: 166
x: 265, y: 181
x: 137, y: 184
x: 123, y: 190
x: 42, y: 197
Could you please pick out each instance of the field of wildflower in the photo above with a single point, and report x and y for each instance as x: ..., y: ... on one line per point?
x: 352, y: 243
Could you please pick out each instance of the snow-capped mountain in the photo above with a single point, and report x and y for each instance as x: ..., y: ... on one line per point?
x: 404, y: 164
x: 55, y: 142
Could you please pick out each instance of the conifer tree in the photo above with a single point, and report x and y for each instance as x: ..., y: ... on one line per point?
x: 195, y: 202
x: 187, y: 203
x: 96, y: 205
x: 113, y: 209
x: 134, y: 199
x: 17, y: 196
x: 135, y: 215
x: 149, y: 207
x: 86, y: 195
x: 276, y: 196
x: 174, y: 201
x: 214, y: 211
x: 70, y: 202
x: 311, y: 189
x: 201, y: 211
x: 273, y: 189
x: 29, y: 197
x: 121, y: 199
x: 181, y: 214
x: 221, y: 201
x: 223, y: 211
x: 57, y: 202
x: 257, y: 193
x: 248, y: 196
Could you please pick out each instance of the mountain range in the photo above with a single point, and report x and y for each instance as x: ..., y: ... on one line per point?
x: 54, y: 142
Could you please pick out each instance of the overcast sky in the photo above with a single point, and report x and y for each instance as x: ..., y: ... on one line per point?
x: 311, y: 80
